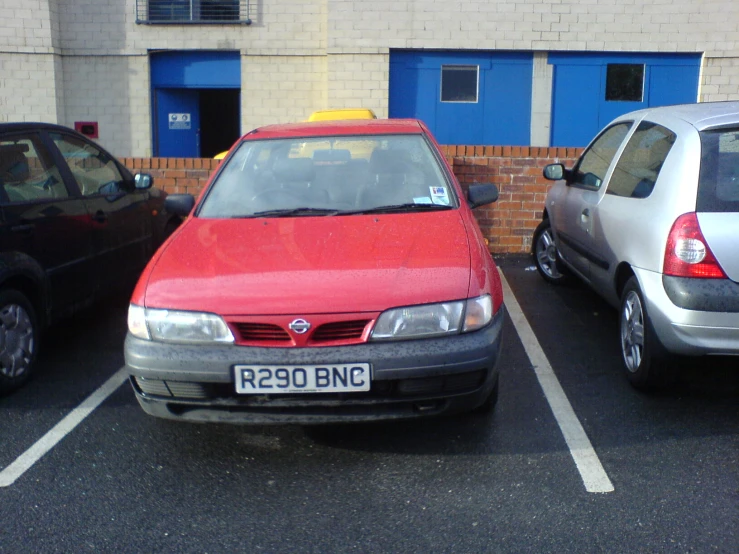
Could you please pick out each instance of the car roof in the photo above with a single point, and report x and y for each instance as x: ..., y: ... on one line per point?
x: 702, y: 115
x: 22, y: 126
x: 338, y: 127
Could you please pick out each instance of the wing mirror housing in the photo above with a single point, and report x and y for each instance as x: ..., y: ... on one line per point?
x: 479, y: 195
x: 179, y: 204
x: 555, y: 172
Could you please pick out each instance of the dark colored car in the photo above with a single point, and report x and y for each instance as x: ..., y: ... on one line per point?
x: 74, y: 225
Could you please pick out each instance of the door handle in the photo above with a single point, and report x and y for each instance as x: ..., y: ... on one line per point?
x: 100, y: 217
x: 24, y: 228
x: 585, y: 215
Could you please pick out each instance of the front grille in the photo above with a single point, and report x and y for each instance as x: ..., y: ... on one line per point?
x: 257, y: 332
x: 340, y: 330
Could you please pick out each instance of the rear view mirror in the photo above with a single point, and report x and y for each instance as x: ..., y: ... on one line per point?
x: 179, y: 204
x: 479, y: 195
x: 554, y: 172
x: 143, y: 181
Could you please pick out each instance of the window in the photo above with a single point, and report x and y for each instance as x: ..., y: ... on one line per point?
x: 593, y: 165
x: 625, y: 82
x: 639, y: 166
x: 192, y: 11
x: 718, y: 185
x: 26, y: 174
x: 95, y: 171
x: 459, y: 83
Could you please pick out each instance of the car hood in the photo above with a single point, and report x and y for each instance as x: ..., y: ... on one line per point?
x: 364, y: 263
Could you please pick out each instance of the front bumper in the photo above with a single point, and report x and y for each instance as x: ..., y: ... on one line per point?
x: 409, y: 379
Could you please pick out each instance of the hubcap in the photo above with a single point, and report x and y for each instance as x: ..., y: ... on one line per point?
x: 546, y: 254
x: 632, y: 331
x: 16, y: 341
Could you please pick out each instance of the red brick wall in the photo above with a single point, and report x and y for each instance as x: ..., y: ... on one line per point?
x: 507, y: 224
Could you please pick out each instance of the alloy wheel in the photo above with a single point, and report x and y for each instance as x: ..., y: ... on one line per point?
x: 546, y: 254
x: 632, y: 331
x: 16, y: 341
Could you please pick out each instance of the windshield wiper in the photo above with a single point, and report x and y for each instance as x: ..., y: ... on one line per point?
x: 291, y: 212
x: 400, y: 208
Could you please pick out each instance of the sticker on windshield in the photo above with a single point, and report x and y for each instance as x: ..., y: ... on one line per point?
x: 439, y: 196
x: 422, y: 200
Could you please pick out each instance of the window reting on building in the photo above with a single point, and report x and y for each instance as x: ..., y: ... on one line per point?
x: 192, y: 11
x: 459, y: 83
x: 625, y: 82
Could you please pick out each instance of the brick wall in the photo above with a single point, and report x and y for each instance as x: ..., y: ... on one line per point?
x: 515, y: 170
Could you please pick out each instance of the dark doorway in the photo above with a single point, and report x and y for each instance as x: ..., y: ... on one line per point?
x: 220, y: 116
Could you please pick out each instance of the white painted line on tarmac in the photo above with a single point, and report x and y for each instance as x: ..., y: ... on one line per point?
x: 25, y: 461
x: 586, y: 460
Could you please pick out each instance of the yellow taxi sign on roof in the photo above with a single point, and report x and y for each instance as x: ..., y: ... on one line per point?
x: 344, y: 113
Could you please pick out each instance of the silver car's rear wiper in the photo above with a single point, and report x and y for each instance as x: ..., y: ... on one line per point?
x: 399, y: 208
x: 292, y: 212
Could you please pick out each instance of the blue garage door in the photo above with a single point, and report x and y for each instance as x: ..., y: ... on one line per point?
x: 589, y: 90
x: 464, y: 98
x: 178, y: 80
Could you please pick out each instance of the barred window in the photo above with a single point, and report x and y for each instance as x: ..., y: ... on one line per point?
x: 192, y: 11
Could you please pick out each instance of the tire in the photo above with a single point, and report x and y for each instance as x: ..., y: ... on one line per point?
x: 19, y: 336
x: 545, y: 255
x: 488, y: 405
x: 643, y: 355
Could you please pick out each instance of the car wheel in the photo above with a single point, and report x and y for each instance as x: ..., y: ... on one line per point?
x: 489, y: 403
x: 18, y: 340
x: 545, y: 254
x: 642, y: 353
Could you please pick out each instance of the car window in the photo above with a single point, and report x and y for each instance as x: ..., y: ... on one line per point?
x: 94, y: 170
x: 593, y: 165
x: 638, y: 167
x: 342, y: 173
x: 26, y: 172
x: 718, y: 186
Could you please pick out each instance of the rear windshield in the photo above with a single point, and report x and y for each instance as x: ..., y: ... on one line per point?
x: 718, y: 189
x: 342, y: 174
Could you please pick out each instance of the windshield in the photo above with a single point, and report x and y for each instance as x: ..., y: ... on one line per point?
x: 329, y: 176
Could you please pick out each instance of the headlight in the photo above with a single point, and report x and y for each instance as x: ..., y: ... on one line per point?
x: 431, y: 320
x: 176, y: 326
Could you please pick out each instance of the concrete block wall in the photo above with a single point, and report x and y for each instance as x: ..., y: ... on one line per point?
x: 507, y: 224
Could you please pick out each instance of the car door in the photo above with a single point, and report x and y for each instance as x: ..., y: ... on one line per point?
x: 121, y: 219
x: 44, y: 221
x: 573, y: 212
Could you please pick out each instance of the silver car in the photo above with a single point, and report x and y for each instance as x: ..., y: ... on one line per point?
x: 649, y: 218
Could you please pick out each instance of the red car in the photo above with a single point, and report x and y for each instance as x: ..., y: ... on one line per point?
x: 329, y: 272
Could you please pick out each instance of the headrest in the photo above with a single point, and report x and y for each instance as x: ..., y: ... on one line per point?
x: 388, y: 161
x: 13, y: 164
x: 294, y: 169
x: 331, y: 155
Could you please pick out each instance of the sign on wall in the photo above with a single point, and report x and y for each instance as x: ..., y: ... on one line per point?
x: 180, y: 121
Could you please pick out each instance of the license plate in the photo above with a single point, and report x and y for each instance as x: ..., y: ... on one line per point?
x: 254, y: 379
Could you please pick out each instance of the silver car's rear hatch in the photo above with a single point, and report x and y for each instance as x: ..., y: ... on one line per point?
x: 721, y: 231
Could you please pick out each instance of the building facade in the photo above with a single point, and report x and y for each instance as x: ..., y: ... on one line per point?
x: 184, y: 78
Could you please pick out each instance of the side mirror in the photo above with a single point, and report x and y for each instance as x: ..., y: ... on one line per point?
x: 479, y: 195
x: 179, y: 204
x: 143, y: 181
x: 554, y: 172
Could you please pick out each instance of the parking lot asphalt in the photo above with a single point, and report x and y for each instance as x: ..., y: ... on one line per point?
x: 121, y: 481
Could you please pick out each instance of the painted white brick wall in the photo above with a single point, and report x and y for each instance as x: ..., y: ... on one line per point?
x: 302, y: 55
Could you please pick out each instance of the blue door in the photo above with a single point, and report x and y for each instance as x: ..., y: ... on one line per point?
x: 464, y: 98
x: 178, y: 123
x: 589, y: 90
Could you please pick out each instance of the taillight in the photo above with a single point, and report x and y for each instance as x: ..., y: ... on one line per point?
x: 687, y: 253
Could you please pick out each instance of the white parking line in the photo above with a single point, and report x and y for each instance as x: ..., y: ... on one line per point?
x: 25, y: 461
x: 586, y: 460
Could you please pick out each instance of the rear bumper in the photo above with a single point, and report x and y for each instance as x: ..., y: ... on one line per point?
x: 689, y: 331
x: 409, y: 379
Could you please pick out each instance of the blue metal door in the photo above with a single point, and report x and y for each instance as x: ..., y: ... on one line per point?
x: 178, y: 123
x: 497, y: 110
x: 583, y: 101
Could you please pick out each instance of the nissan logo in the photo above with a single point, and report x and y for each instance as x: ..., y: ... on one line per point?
x: 299, y: 326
